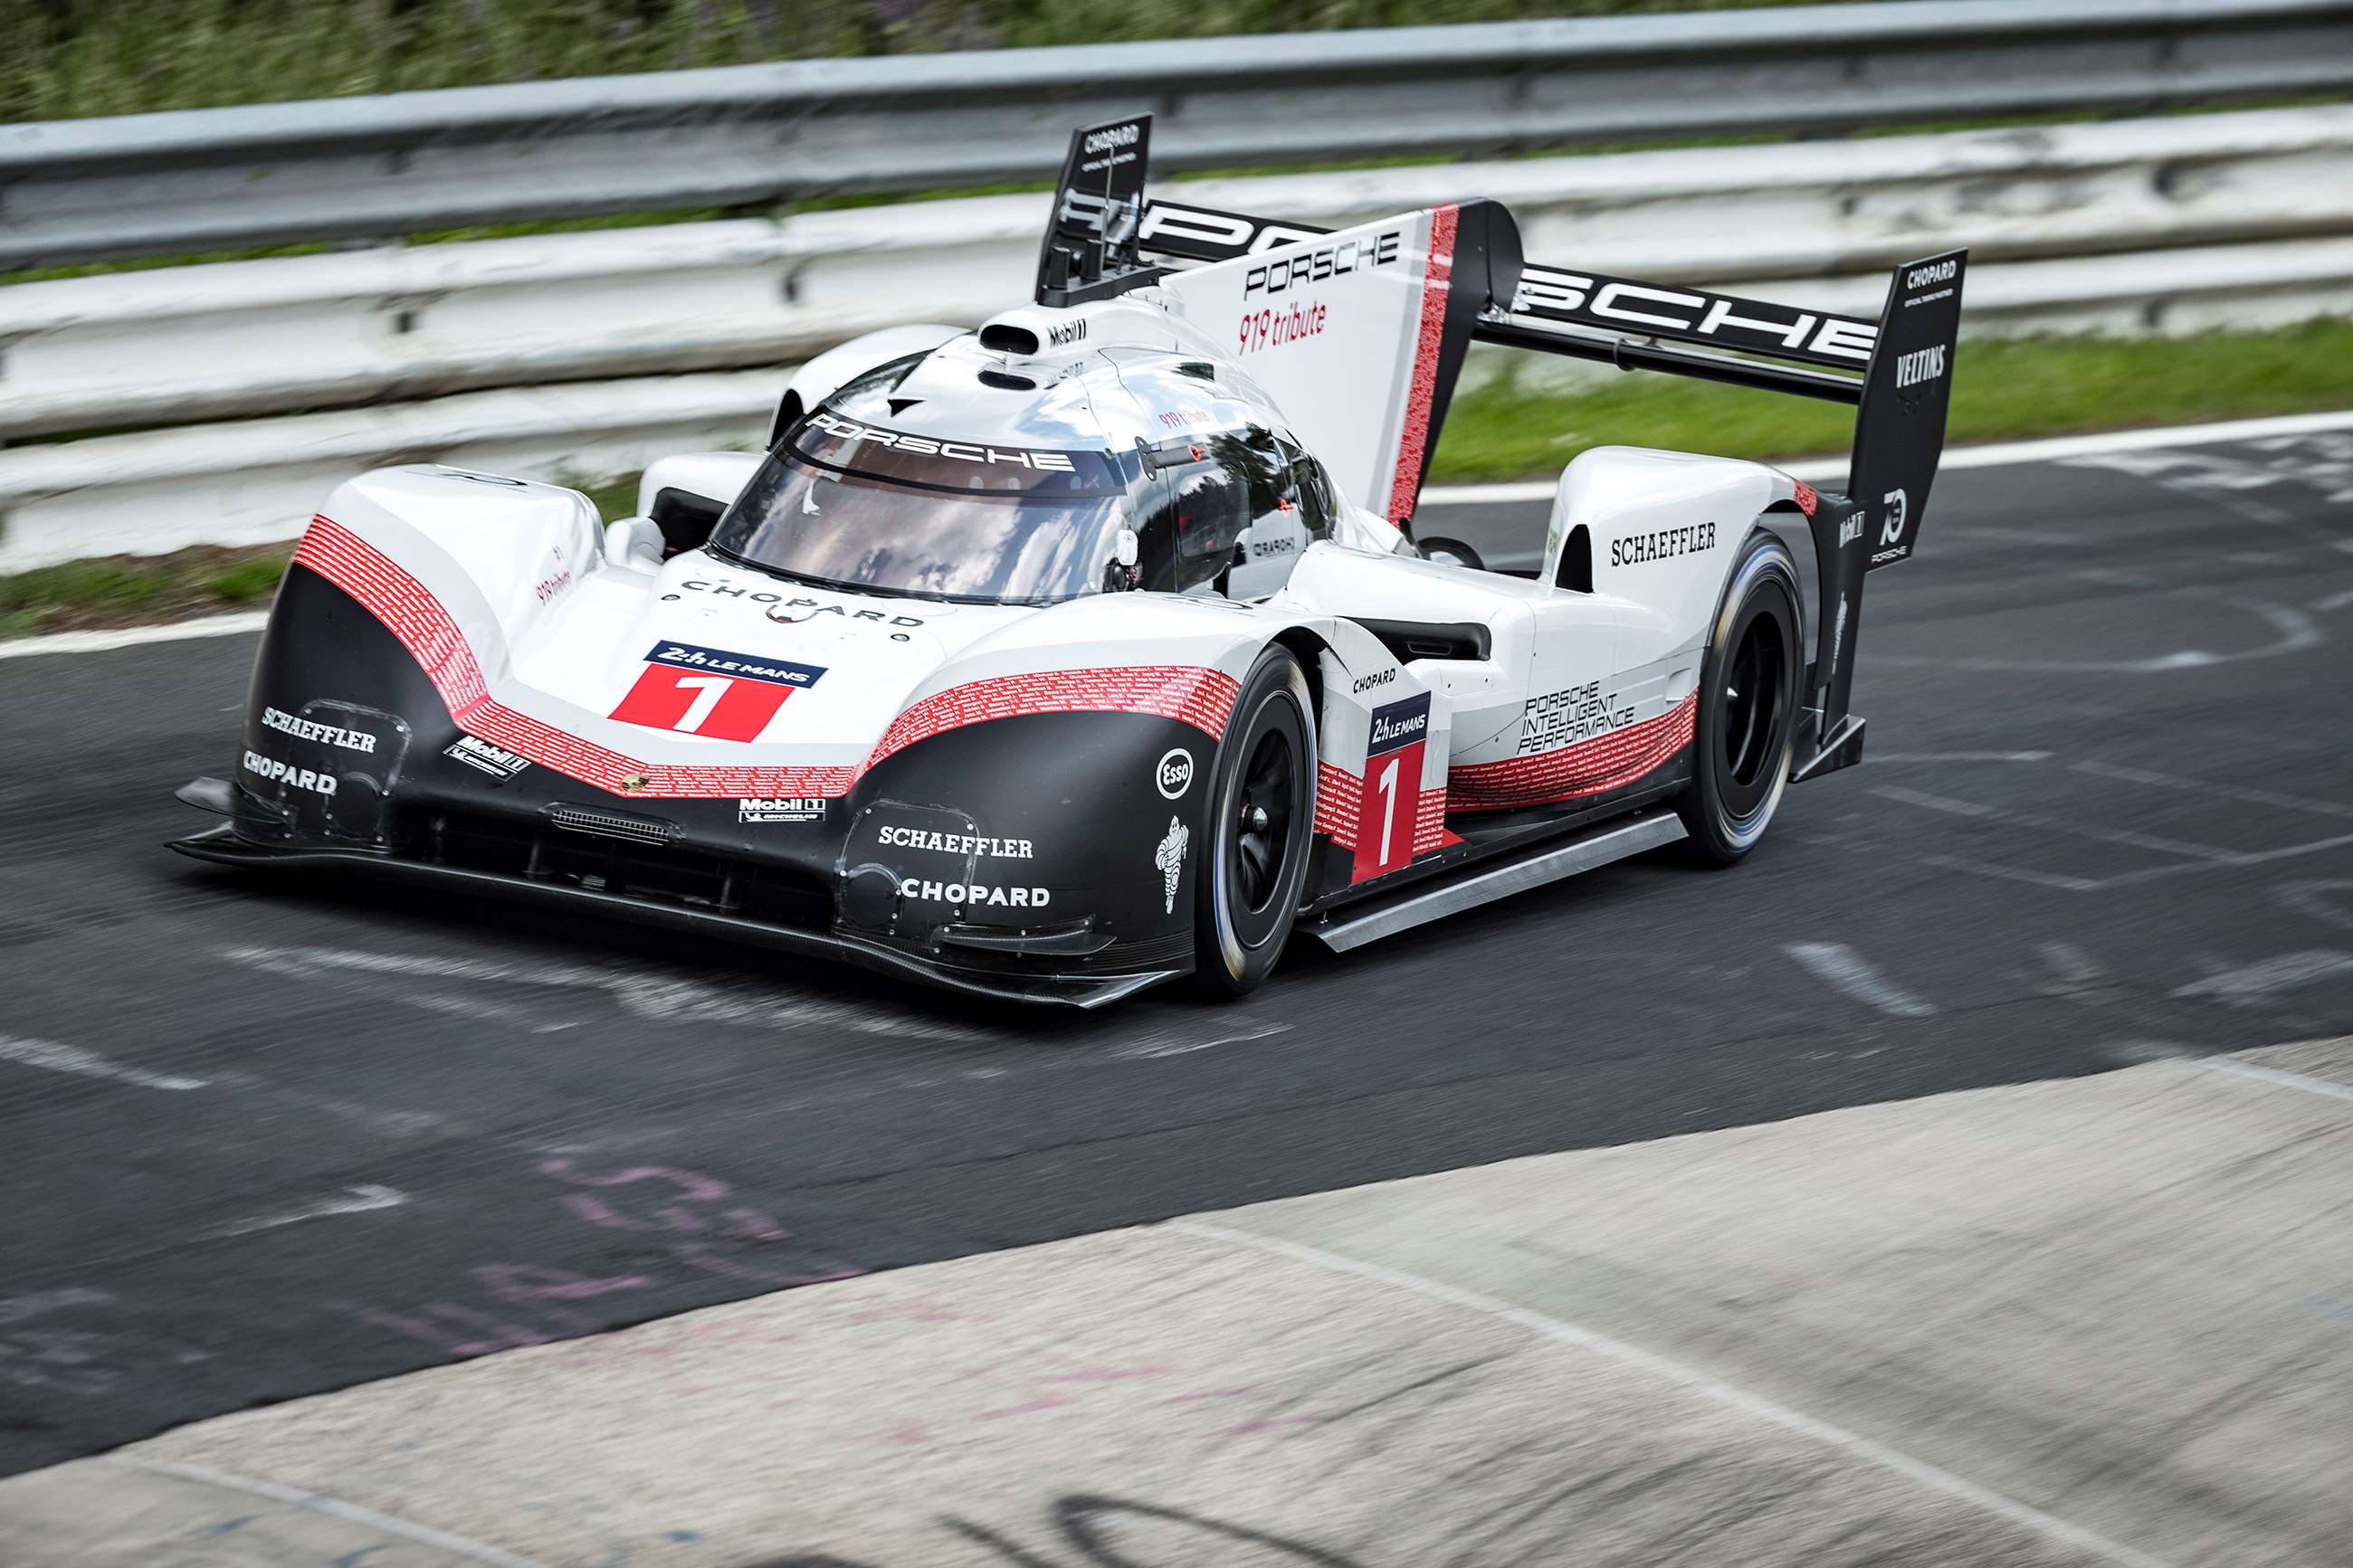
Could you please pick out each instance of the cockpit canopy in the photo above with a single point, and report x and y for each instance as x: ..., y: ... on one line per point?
x: 854, y: 502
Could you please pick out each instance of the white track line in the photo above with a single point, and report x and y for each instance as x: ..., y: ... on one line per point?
x: 86, y: 1064
x: 336, y: 1507
x: 1994, y: 455
x: 1847, y: 971
x: 354, y: 1200
x: 2281, y: 1075
x: 1865, y: 1448
x: 2252, y: 983
x: 2203, y: 786
x: 130, y: 636
x: 1959, y: 757
x: 19, y: 1309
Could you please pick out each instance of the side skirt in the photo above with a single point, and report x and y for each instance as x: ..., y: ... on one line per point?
x: 1595, y: 848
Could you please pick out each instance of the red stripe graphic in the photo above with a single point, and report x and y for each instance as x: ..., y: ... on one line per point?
x: 1406, y: 488
x: 1198, y: 696
x: 1604, y: 762
x: 1339, y: 799
x: 1337, y: 795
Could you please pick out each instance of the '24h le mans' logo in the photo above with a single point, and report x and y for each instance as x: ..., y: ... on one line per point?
x: 710, y: 691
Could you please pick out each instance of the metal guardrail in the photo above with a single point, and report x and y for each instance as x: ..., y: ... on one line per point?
x: 174, y: 183
x: 1793, y: 221
x: 587, y: 354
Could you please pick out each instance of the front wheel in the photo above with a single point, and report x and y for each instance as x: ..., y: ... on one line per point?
x: 1261, y: 813
x: 1747, y: 725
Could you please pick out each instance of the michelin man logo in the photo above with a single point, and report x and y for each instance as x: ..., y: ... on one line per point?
x: 1170, y: 859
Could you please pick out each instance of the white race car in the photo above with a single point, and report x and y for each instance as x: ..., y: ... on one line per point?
x: 1092, y: 650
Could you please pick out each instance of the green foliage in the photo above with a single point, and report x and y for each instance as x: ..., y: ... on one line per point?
x: 67, y: 59
x: 614, y: 498
x: 246, y: 581
x: 113, y: 584
x: 131, y: 589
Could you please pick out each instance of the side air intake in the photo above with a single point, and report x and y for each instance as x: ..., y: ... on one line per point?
x: 1005, y: 337
x: 611, y: 824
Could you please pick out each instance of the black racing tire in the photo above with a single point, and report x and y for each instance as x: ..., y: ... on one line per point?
x: 1452, y: 552
x: 1262, y: 819
x: 1747, y: 727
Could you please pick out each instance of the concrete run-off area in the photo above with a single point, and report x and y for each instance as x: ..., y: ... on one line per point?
x: 2100, y: 1320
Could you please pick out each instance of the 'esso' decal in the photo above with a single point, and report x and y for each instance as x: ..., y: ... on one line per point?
x: 1173, y: 776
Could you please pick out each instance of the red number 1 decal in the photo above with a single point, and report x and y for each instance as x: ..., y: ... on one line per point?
x: 725, y: 708
x: 1391, y: 799
x: 1388, y: 811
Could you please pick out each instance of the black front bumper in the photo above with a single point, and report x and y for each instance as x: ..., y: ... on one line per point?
x: 224, y: 846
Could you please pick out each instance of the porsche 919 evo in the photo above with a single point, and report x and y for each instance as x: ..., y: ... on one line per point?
x: 1091, y: 648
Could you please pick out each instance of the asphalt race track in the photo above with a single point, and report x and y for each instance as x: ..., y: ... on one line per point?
x: 262, y: 1142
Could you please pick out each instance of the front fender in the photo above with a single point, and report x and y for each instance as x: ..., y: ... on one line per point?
x: 1073, y: 836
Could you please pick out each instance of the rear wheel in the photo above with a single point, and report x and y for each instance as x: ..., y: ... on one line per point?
x: 1746, y: 724
x: 1262, y: 812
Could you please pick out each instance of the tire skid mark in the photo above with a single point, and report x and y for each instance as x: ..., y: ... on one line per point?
x: 2252, y: 984
x: 1853, y: 975
x: 54, y: 1058
x: 643, y: 992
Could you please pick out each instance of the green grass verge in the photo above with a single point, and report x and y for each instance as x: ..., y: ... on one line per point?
x: 2002, y: 390
x: 137, y: 590
x: 1510, y: 429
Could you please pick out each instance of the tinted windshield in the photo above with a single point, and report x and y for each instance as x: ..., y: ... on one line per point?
x: 859, y: 506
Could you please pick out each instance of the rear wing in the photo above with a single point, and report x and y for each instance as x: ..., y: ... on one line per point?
x: 1090, y: 249
x: 1473, y: 285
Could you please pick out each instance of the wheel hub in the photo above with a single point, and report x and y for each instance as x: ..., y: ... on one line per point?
x: 1263, y: 822
x: 1752, y: 701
